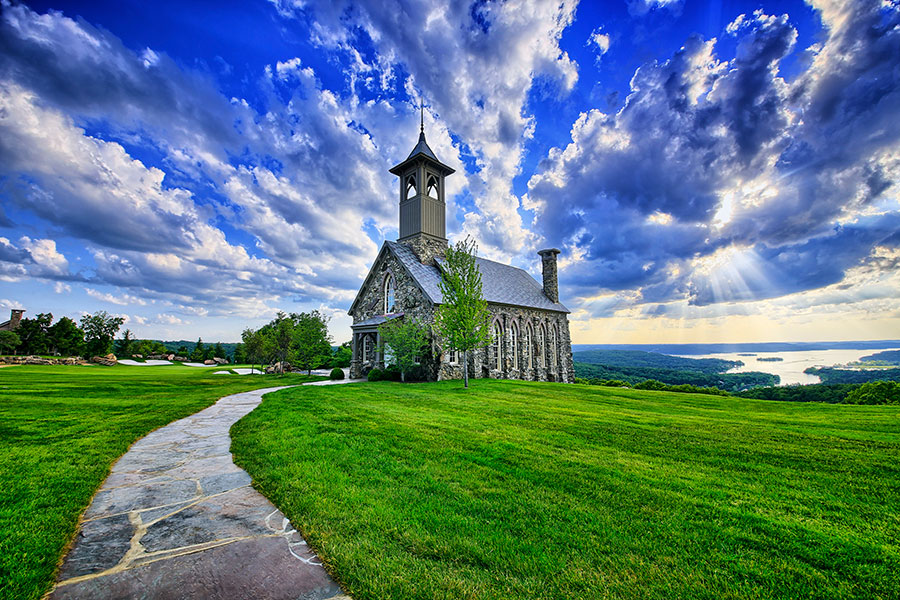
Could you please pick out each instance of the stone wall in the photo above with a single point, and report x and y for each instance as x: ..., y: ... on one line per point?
x: 425, y: 247
x: 409, y: 299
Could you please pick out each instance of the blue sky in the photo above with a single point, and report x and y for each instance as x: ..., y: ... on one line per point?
x: 711, y: 171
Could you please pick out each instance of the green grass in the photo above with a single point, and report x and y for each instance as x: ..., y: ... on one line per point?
x: 537, y: 491
x: 61, y: 428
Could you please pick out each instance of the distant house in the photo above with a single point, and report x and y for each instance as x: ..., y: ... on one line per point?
x: 530, y: 327
x: 15, y: 317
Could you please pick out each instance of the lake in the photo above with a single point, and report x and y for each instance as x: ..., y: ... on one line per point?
x: 791, y: 369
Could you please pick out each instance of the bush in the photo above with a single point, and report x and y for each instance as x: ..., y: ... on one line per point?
x: 375, y: 375
x: 875, y: 392
x: 336, y: 374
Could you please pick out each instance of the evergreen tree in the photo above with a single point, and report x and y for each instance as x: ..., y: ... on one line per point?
x: 463, y: 320
x: 66, y: 338
x: 125, y: 346
x: 198, y: 352
x: 218, y: 351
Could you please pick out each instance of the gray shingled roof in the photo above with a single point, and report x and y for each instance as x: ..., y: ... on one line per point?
x: 373, y: 321
x: 500, y: 284
x: 422, y: 147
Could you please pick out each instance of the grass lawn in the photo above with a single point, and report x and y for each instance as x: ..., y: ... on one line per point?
x: 61, y: 428
x: 532, y: 491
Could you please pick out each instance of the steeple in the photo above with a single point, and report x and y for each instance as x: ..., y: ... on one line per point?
x: 422, y: 200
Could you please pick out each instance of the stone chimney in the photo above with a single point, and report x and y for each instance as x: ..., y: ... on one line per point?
x: 551, y: 282
x: 15, y: 317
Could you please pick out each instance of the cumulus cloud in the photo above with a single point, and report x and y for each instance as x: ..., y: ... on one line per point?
x: 719, y: 181
x: 475, y: 66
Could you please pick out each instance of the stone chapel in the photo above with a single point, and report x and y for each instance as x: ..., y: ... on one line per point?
x: 529, y: 326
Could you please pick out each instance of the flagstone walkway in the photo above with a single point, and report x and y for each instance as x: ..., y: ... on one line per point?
x: 176, y: 518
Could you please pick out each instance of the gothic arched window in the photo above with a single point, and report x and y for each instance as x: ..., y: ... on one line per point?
x: 389, y: 300
x: 526, y: 345
x: 497, y: 344
x: 411, y: 188
x: 541, y: 346
x: 432, y: 188
x: 552, y: 348
x: 514, y: 344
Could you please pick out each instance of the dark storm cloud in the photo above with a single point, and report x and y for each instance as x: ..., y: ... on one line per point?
x: 783, y: 162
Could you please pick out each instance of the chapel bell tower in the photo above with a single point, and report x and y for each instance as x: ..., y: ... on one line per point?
x: 422, y: 200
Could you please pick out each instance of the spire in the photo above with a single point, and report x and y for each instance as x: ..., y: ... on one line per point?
x: 421, y: 117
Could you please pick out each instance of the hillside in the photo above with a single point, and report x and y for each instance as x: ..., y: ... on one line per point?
x: 637, y: 358
x: 888, y: 357
x: 634, y: 366
x: 525, y: 490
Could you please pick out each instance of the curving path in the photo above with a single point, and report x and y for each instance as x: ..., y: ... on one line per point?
x: 176, y: 518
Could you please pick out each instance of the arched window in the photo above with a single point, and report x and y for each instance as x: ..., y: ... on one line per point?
x: 497, y: 344
x: 432, y: 188
x: 526, y: 345
x: 552, y: 348
x: 514, y: 344
x: 389, y: 293
x: 411, y: 186
x: 541, y: 346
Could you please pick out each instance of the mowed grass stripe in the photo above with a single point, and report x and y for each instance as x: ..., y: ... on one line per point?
x: 61, y: 428
x: 532, y: 490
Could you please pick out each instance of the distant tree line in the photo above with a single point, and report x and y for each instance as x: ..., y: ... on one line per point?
x: 832, y: 375
x: 654, y: 360
x: 887, y: 357
x: 729, y: 382
x: 873, y: 392
x: 93, y: 335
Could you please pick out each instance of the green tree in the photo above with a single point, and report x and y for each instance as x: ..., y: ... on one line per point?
x: 257, y: 346
x: 9, y: 340
x: 126, y: 346
x: 312, y: 343
x: 875, y: 392
x: 182, y: 351
x: 462, y: 321
x: 342, y: 356
x: 34, y: 334
x: 99, y: 331
x: 198, y: 352
x: 282, y: 331
x: 238, y: 356
x: 218, y: 351
x: 66, y: 338
x: 406, y: 340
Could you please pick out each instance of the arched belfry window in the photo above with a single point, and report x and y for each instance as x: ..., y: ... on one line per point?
x: 389, y: 300
x: 411, y: 188
x: 497, y: 344
x: 432, y: 188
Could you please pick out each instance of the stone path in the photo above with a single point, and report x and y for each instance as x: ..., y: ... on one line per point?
x: 176, y: 518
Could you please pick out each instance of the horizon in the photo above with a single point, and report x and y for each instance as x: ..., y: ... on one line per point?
x: 711, y: 172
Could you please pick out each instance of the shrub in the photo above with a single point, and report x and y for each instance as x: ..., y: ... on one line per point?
x: 336, y: 374
x: 375, y: 375
x: 875, y: 392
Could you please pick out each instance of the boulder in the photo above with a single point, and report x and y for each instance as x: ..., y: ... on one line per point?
x: 141, y: 356
x: 221, y: 361
x: 209, y: 361
x: 180, y: 358
x: 108, y: 361
x: 37, y: 360
x: 170, y: 357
